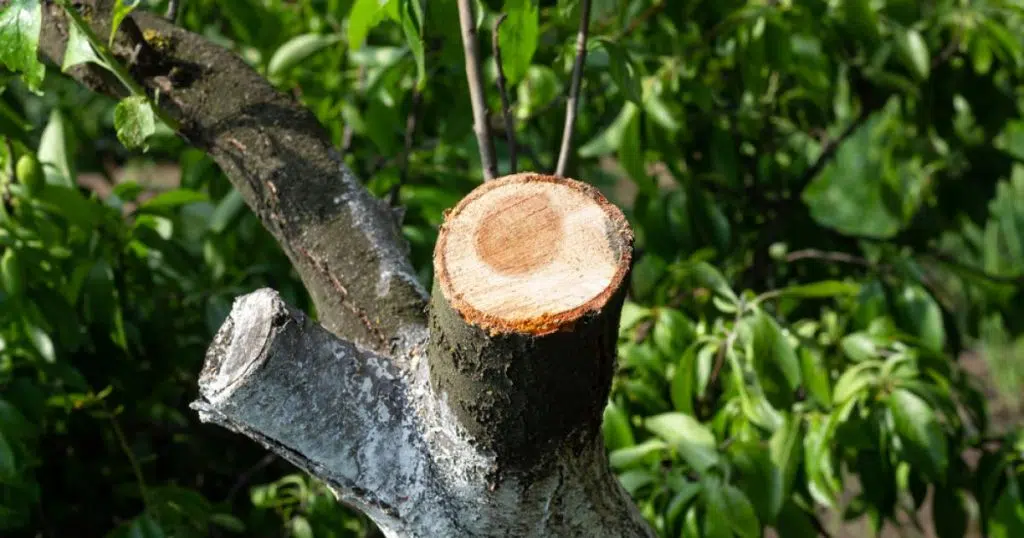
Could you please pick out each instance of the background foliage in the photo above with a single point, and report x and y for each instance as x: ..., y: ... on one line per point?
x: 829, y: 202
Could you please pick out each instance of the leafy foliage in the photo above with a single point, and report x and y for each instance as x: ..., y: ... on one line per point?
x: 829, y: 204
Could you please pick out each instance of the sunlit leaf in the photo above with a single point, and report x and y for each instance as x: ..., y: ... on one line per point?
x: 919, y: 430
x: 135, y: 121
x: 122, y: 8
x: 695, y: 443
x: 20, y: 23
x: 79, y: 50
x: 297, y: 50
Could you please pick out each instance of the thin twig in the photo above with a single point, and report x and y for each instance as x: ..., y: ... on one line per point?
x: 476, y: 91
x: 132, y: 460
x: 730, y: 341
x: 248, y: 475
x: 172, y: 10
x: 574, y: 90
x: 838, y: 257
x: 410, y: 130
x: 651, y: 11
x: 830, y: 147
x: 506, y: 108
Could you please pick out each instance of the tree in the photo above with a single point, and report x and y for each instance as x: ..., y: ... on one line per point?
x: 731, y: 410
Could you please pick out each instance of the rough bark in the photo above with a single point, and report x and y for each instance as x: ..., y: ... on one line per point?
x: 495, y: 434
x: 344, y: 243
x: 523, y: 376
x: 388, y: 444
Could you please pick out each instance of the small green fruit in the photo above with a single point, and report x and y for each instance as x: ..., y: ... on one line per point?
x: 11, y: 276
x: 30, y: 173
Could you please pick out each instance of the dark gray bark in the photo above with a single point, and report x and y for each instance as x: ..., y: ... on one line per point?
x: 352, y: 402
x: 344, y: 243
x: 388, y: 444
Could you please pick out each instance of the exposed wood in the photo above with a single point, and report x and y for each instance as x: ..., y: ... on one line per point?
x: 524, y: 315
x: 530, y: 253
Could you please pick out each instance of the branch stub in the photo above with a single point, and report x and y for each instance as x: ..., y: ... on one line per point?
x: 532, y: 254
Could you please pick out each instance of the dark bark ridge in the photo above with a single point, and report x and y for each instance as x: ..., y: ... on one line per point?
x: 352, y: 402
x: 344, y: 243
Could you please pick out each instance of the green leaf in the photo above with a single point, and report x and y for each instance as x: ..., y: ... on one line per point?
x: 682, y: 383
x: 914, y: 52
x: 623, y: 71
x: 923, y: 439
x: 773, y: 352
x: 694, y: 441
x: 861, y: 19
x: 301, y: 527
x: 854, y: 380
x: 742, y: 518
x: 821, y: 290
x: 55, y: 151
x: 617, y: 432
x: 8, y: 463
x: 822, y: 483
x: 865, y: 190
x: 517, y: 37
x: 71, y: 204
x: 672, y: 332
x: 635, y: 479
x: 135, y: 121
x: 717, y: 523
x: 681, y: 501
x: 710, y: 278
x: 297, y: 50
x: 540, y: 86
x: 631, y: 158
x: 364, y: 16
x: 785, y: 449
x: 20, y: 24
x: 919, y: 314
x: 173, y: 199
x: 414, y: 40
x: 79, y: 50
x: 859, y: 347
x: 626, y: 457
x: 608, y: 140
x: 121, y: 10
x: 1007, y: 519
x: 228, y: 210
x: 815, y: 374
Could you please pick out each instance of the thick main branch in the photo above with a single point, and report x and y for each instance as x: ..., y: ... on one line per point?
x: 343, y: 242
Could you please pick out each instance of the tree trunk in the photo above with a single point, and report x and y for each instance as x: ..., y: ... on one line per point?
x: 479, y: 419
x: 495, y: 430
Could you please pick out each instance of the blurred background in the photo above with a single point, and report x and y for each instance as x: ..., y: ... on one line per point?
x: 823, y: 335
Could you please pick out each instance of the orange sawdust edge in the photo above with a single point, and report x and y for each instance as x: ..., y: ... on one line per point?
x: 546, y: 323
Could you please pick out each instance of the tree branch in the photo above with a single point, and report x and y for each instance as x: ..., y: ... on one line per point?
x: 476, y: 91
x: 332, y: 409
x: 506, y: 108
x: 381, y: 439
x: 574, y: 90
x: 276, y: 154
